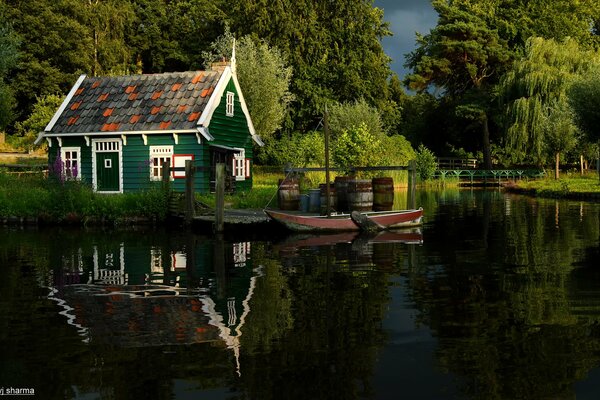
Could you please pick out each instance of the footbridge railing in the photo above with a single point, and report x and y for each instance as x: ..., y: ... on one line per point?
x: 486, y: 175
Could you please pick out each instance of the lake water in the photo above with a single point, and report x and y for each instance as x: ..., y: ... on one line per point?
x: 497, y: 296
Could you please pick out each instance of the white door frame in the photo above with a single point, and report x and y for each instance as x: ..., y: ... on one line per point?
x: 96, y: 143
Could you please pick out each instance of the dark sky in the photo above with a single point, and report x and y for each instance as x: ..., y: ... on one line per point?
x: 405, y: 17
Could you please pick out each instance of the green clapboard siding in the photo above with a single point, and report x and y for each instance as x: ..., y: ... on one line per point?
x: 232, y: 131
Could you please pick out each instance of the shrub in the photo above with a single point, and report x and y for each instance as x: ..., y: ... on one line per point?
x: 426, y: 163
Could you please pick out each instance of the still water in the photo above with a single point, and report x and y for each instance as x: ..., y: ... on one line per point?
x: 496, y: 297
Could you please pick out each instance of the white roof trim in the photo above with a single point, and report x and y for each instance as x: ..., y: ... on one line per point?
x: 205, y: 133
x: 39, y: 138
x: 256, y: 138
x: 215, y: 99
x: 64, y: 104
x: 233, y: 149
x: 119, y: 133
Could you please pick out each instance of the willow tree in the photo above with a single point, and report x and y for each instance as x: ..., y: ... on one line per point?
x: 534, y: 92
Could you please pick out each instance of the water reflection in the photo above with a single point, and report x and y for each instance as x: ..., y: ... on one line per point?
x: 498, y: 296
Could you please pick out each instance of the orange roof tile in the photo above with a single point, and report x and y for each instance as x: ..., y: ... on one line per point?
x: 134, y: 118
x: 95, y: 84
x: 194, y: 116
x: 198, y: 78
x: 157, y: 94
x: 72, y: 120
x: 182, y: 108
x: 155, y: 110
x: 78, y: 91
x: 75, y: 106
x: 204, y: 93
x: 108, y: 112
x: 175, y: 87
x: 110, y: 127
x: 164, y: 124
x: 210, y: 90
x: 130, y: 89
x: 103, y: 97
x: 132, y: 96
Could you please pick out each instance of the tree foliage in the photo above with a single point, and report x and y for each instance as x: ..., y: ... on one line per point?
x: 584, y: 98
x: 534, y: 92
x: 463, y: 55
x: 264, y: 76
x: 333, y: 46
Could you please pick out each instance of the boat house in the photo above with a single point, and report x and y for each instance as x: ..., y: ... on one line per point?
x: 114, y: 133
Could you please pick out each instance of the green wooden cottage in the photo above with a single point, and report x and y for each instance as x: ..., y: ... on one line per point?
x: 114, y: 133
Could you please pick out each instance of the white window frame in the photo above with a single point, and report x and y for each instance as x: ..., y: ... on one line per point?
x: 230, y: 104
x: 239, y: 165
x: 67, y: 162
x: 159, y: 154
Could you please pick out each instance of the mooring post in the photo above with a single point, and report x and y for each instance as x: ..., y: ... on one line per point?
x: 219, y: 197
x: 412, y: 185
x: 166, y: 175
x: 189, y: 191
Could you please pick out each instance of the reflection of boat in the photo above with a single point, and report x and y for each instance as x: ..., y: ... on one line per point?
x: 409, y: 236
x: 376, y: 220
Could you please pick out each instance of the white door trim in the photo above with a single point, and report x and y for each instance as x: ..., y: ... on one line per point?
x: 119, y: 146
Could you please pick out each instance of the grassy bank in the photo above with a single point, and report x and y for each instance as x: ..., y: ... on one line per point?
x: 569, y: 186
x: 49, y: 201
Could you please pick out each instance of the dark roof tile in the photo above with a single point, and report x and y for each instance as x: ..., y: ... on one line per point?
x: 172, y: 97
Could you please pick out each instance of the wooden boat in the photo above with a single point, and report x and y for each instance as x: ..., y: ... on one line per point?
x: 368, y: 221
x: 376, y: 220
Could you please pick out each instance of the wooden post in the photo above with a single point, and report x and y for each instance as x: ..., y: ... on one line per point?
x: 189, y: 191
x: 327, y: 188
x: 220, y: 197
x: 412, y: 185
x: 166, y: 175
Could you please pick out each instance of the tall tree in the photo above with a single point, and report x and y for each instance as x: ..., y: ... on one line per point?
x: 534, y: 92
x: 584, y: 98
x: 9, y: 43
x: 264, y: 77
x: 464, y: 57
x: 56, y: 46
x: 333, y: 46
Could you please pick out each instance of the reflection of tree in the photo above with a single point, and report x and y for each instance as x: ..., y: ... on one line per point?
x: 501, y: 303
x: 334, y: 334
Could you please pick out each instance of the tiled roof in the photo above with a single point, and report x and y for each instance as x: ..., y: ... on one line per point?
x: 170, y: 101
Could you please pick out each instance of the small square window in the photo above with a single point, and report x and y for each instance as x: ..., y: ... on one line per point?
x: 108, y: 163
x: 230, y: 104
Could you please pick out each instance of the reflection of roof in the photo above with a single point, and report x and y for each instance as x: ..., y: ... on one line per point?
x: 170, y: 101
x: 138, y: 316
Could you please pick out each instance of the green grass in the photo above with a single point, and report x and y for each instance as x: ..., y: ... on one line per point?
x: 569, y: 184
x: 32, y: 195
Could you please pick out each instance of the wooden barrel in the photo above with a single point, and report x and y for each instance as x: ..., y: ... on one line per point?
x: 332, y: 197
x: 383, y: 194
x: 360, y: 195
x: 341, y: 190
x: 288, y: 194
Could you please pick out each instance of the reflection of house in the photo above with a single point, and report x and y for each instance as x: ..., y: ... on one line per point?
x: 131, y: 295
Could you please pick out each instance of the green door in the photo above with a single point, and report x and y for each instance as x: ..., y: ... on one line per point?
x: 107, y: 172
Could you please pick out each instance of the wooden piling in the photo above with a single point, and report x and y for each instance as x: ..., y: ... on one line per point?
x: 412, y: 185
x: 166, y: 175
x: 220, y: 198
x: 189, y: 191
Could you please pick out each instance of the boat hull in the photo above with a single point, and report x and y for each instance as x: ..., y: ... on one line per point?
x: 316, y: 223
